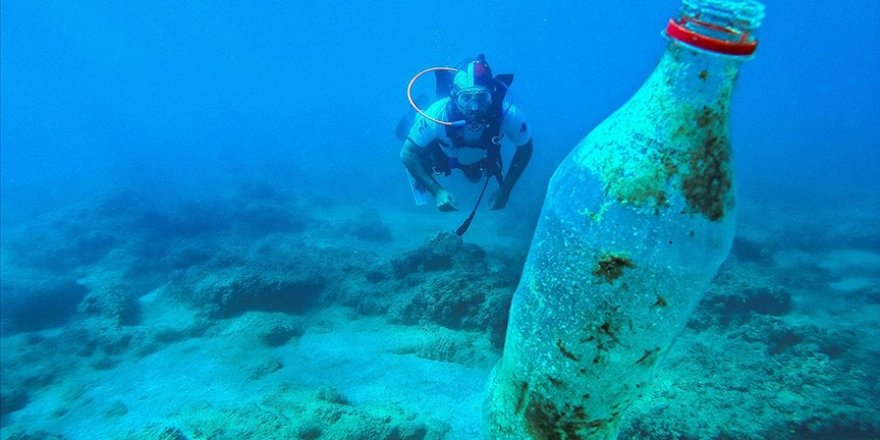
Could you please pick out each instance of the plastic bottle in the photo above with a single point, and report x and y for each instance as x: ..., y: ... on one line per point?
x: 636, y: 222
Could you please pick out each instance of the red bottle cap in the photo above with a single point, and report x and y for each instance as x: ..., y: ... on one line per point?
x: 739, y: 43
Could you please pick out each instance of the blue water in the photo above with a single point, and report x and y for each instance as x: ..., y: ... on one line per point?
x: 117, y: 94
x: 131, y: 131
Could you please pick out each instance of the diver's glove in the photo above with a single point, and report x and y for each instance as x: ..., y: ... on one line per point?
x: 445, y: 201
x: 498, y: 199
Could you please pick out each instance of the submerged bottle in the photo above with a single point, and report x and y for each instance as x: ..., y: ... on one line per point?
x: 636, y: 222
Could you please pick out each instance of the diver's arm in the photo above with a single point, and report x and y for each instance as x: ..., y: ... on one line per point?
x: 517, y: 166
x: 411, y: 158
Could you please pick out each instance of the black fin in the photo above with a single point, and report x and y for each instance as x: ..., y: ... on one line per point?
x: 505, y: 78
x: 406, y: 121
x: 444, y: 83
x: 404, y: 125
x: 502, y: 81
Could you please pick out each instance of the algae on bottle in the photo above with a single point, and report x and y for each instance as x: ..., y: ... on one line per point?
x: 636, y: 222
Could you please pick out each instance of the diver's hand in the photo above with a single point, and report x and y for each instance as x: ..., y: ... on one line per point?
x: 445, y: 201
x: 498, y: 200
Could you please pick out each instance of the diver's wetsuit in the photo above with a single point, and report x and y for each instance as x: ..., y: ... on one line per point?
x: 434, y: 139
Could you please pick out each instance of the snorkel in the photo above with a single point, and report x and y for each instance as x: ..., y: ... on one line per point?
x: 465, y: 121
x: 415, y: 106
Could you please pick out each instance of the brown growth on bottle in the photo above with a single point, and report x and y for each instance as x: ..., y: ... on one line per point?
x: 610, y: 267
x: 649, y: 358
x: 544, y: 421
x: 521, y: 396
x: 708, y: 184
x: 661, y: 302
x: 565, y: 352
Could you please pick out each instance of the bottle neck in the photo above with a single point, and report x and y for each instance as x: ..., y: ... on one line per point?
x: 695, y: 78
x: 707, y: 43
x: 743, y: 16
x: 722, y: 26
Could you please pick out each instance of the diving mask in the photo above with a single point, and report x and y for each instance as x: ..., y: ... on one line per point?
x: 473, y: 99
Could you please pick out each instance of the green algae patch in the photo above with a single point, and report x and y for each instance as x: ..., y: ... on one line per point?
x: 667, y: 148
x: 690, y: 159
x: 610, y: 267
x: 634, y: 170
x: 544, y: 421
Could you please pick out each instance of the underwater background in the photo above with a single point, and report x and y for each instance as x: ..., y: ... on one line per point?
x: 206, y: 231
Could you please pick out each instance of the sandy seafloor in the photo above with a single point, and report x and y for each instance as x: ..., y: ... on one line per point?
x: 264, y: 314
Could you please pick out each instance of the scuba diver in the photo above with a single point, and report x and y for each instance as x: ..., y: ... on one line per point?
x: 463, y: 130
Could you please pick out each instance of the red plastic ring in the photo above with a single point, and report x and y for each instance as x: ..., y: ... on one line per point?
x: 744, y: 46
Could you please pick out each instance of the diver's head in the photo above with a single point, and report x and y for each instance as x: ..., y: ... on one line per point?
x: 472, y: 88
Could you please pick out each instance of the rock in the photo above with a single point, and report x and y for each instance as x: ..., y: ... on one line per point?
x: 39, y: 303
x: 100, y: 335
x: 114, y: 301
x: 153, y: 433
x: 233, y: 292
x: 12, y: 398
x: 38, y: 435
x: 445, y: 345
x: 408, y: 431
x: 735, y: 298
x: 171, y: 434
x: 331, y: 395
x: 280, y: 334
x: 369, y: 227
x: 311, y: 431
x: 796, y: 339
x: 441, y: 252
x: 459, y: 300
x: 752, y: 251
x: 104, y: 362
x: 269, y: 366
x: 115, y: 410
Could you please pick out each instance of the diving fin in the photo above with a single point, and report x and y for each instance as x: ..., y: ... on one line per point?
x: 420, y: 194
x: 407, y: 120
x: 504, y: 78
x: 443, y: 80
